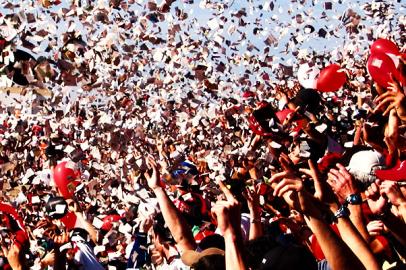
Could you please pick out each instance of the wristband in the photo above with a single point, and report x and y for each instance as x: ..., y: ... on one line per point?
x: 342, y: 212
x: 354, y: 199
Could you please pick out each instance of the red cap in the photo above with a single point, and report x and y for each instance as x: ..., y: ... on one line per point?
x: 397, y: 173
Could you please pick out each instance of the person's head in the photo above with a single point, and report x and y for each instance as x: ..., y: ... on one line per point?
x: 210, y: 262
x: 256, y: 250
x: 363, y: 165
x: 288, y: 257
x: 208, y: 259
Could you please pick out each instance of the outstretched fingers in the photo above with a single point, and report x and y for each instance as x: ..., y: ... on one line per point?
x: 382, y: 103
x: 287, y: 185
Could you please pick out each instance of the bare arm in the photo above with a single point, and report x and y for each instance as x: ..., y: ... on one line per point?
x: 337, y: 253
x: 356, y: 243
x: 290, y: 187
x: 87, y: 226
x: 176, y: 223
x: 228, y: 216
x: 234, y: 259
x: 252, y: 197
x: 353, y: 231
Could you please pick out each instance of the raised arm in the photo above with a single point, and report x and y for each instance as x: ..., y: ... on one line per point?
x: 228, y: 216
x: 289, y: 186
x: 176, y: 223
x: 342, y: 182
x: 353, y: 230
x: 337, y: 253
x: 252, y: 197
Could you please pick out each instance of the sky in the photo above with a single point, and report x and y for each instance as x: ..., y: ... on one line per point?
x: 241, y: 37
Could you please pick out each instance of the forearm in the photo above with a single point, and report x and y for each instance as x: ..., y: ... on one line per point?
x: 18, y: 268
x: 401, y: 111
x: 233, y: 254
x: 355, y: 241
x: 87, y: 226
x: 337, y: 253
x: 358, y: 132
x: 255, y: 228
x: 175, y: 221
x: 358, y: 221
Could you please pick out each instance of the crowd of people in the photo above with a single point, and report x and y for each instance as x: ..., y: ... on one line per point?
x: 172, y: 143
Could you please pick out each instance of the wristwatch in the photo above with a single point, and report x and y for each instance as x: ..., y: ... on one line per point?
x: 353, y: 199
x: 342, y: 212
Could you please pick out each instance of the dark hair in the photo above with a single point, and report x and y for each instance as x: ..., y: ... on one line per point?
x: 256, y: 250
x: 288, y: 257
x: 210, y: 262
x: 214, y: 240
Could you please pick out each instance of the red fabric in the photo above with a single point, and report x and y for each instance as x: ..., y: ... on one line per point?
x: 203, y: 204
x: 69, y: 220
x: 315, y: 246
x: 21, y: 236
x: 248, y: 94
x: 397, y: 173
x: 386, y: 245
x: 8, y: 209
x: 328, y: 160
x: 182, y: 206
x: 388, y: 158
x: 36, y: 129
x: 282, y: 115
x: 202, y: 234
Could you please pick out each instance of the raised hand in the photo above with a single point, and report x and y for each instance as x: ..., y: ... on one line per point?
x: 13, y: 256
x: 48, y: 260
x: 60, y: 239
x: 375, y: 227
x: 228, y: 213
x: 394, y: 98
x: 287, y: 184
x: 152, y: 177
x: 145, y: 225
x: 391, y: 190
x: 288, y: 170
x: 252, y: 197
x: 342, y: 182
x: 323, y: 191
x: 376, y: 202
